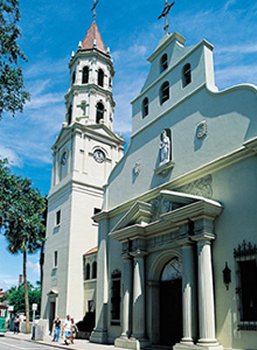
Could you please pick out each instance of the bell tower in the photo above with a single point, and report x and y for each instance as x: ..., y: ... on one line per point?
x: 89, y: 99
x: 85, y: 152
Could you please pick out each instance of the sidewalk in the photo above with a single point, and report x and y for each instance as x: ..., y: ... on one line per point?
x: 79, y: 343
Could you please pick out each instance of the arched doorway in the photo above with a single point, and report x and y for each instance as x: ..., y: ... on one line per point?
x: 171, y: 303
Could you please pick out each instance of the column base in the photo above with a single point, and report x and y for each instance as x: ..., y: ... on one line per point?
x: 99, y: 336
x: 198, y: 346
x: 131, y: 343
x: 209, y: 344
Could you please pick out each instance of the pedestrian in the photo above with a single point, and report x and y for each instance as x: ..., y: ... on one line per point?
x: 56, y: 331
x: 74, y: 330
x: 66, y: 330
x: 16, y: 324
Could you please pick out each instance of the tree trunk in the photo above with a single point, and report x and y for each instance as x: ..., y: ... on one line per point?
x: 41, y: 263
x: 26, y: 293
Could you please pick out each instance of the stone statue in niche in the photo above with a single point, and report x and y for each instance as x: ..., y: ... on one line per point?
x: 164, y: 148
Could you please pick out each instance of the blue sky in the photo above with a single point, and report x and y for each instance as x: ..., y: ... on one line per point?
x: 52, y: 29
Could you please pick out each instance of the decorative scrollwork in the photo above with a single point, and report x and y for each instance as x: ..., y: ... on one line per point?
x: 201, y: 129
x: 160, y: 205
x: 200, y: 187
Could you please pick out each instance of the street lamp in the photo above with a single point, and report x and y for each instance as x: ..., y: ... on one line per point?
x: 226, y: 276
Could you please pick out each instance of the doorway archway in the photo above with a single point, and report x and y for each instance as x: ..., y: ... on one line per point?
x: 171, y: 303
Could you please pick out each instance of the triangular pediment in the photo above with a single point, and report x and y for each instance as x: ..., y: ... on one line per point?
x: 62, y: 134
x: 139, y: 213
x: 166, y: 209
x: 105, y: 131
x: 94, y: 129
x: 52, y: 292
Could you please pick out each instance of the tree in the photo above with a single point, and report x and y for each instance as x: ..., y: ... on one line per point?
x: 12, y: 92
x: 15, y: 297
x: 42, y: 248
x: 22, y: 219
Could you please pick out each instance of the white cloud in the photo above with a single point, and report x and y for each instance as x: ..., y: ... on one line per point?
x: 228, y: 4
x: 8, y: 281
x: 33, y: 267
x: 47, y: 67
x: 236, y: 74
x: 124, y: 92
x: 45, y: 100
x: 12, y: 157
x: 249, y: 48
x: 130, y: 55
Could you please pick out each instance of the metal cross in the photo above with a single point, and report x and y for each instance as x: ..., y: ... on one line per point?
x: 165, y: 14
x: 93, y: 9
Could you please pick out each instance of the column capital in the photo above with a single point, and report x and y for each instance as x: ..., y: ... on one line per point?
x: 139, y: 253
x: 204, y: 238
x: 204, y: 225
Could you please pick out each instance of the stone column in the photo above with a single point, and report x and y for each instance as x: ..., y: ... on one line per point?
x: 100, y: 332
x: 188, y: 290
x: 205, y: 294
x: 138, y: 326
x: 127, y: 288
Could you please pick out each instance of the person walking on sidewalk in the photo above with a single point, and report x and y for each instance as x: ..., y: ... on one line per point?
x: 66, y: 330
x: 16, y: 325
x: 56, y: 329
x: 74, y: 330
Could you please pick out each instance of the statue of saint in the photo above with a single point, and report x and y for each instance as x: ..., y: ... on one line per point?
x: 164, y: 148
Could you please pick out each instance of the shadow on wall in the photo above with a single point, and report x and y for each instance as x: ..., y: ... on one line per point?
x: 86, y: 326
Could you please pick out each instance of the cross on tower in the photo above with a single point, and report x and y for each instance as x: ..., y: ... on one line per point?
x: 93, y: 9
x: 165, y: 14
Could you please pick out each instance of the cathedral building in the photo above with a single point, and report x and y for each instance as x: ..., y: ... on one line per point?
x: 174, y: 220
x: 177, y: 242
x: 85, y: 152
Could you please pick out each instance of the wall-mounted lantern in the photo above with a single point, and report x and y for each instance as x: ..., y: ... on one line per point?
x: 226, y: 275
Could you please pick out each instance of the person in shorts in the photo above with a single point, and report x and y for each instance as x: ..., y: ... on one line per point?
x: 74, y: 330
x: 66, y: 330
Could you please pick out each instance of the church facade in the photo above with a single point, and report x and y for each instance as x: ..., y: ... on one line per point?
x: 84, y: 154
x: 177, y: 242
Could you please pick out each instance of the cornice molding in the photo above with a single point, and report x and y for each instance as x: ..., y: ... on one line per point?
x: 168, y: 221
x: 247, y: 150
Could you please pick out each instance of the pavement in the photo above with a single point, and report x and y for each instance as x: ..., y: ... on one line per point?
x: 79, y: 344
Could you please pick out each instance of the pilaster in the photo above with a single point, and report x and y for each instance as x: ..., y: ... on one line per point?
x: 100, y: 333
x: 189, y: 298
x: 138, y: 326
x: 127, y: 290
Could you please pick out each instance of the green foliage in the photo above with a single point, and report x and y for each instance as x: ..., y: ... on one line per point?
x: 22, y: 211
x: 12, y: 93
x: 15, y: 297
x: 22, y: 219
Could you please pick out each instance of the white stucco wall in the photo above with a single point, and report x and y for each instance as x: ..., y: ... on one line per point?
x: 221, y: 155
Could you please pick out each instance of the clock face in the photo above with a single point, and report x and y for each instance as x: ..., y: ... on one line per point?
x: 64, y: 158
x: 99, y: 155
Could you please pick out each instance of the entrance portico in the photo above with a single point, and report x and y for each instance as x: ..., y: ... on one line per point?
x: 181, y: 231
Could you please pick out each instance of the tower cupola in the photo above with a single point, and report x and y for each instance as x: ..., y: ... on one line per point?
x: 89, y: 99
